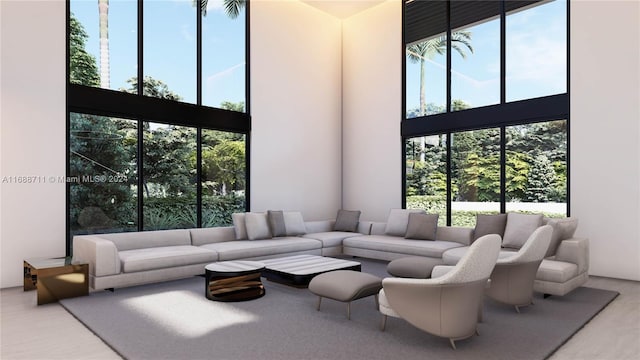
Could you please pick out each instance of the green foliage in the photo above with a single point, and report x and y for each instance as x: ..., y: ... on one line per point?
x: 225, y: 164
x: 541, y: 176
x: 83, y: 67
x: 151, y: 87
x: 174, y: 213
x: 228, y: 105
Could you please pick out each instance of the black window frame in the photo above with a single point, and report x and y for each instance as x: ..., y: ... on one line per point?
x: 138, y: 107
x: 528, y: 111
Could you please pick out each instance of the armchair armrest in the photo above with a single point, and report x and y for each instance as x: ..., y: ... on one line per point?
x: 575, y: 251
x: 100, y: 254
x: 440, y: 270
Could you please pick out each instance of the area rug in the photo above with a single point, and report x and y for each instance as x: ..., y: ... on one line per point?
x: 174, y: 320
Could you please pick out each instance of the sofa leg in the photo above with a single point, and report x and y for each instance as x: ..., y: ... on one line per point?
x: 319, y: 302
x: 349, y: 311
x: 453, y: 343
x: 546, y: 296
x: 110, y: 289
x: 517, y: 309
x: 383, y: 324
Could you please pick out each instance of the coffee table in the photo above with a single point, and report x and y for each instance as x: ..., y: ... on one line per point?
x: 233, y: 280
x: 298, y: 270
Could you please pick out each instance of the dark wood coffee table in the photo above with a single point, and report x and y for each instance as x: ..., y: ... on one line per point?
x: 298, y: 270
x: 234, y: 280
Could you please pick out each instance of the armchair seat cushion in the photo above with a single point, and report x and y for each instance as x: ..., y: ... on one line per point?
x: 164, y: 257
x: 556, y: 271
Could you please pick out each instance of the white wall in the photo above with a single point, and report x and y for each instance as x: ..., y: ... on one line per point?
x: 605, y: 132
x: 32, y: 133
x: 295, y: 107
x: 372, y: 73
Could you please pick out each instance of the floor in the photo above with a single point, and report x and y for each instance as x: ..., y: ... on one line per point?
x: 43, y: 332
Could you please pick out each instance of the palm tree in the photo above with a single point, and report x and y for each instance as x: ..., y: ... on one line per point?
x: 422, y: 51
x: 103, y: 12
x: 231, y: 7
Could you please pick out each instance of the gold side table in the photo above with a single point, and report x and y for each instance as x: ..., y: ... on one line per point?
x: 56, y: 279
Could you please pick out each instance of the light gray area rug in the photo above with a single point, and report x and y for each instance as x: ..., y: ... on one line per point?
x: 174, y: 320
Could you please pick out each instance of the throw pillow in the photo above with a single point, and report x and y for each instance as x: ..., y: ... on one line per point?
x: 257, y: 226
x: 294, y: 223
x: 239, y: 226
x: 489, y: 224
x: 562, y: 229
x: 398, y: 220
x: 518, y: 229
x: 422, y: 226
x: 347, y: 220
x: 276, y: 223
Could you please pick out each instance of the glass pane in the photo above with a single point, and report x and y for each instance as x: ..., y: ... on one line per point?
x: 537, y: 168
x: 536, y: 51
x: 223, y: 57
x: 426, y: 77
x: 475, y: 65
x: 169, y: 177
x: 103, y: 57
x: 426, y: 176
x: 475, y: 175
x: 103, y: 178
x: 223, y: 177
x: 170, y: 50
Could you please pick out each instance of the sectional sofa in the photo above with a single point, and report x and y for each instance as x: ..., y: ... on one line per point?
x: 127, y: 259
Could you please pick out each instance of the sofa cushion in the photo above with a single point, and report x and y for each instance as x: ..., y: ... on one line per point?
x: 331, y: 238
x: 239, y: 225
x: 147, y: 239
x: 399, y: 245
x: 201, y: 236
x: 347, y: 220
x: 556, y: 271
x: 422, y: 226
x: 294, y: 223
x: 459, y: 234
x: 562, y: 229
x: 398, y: 220
x: 489, y: 224
x: 164, y: 257
x: 243, y: 249
x: 276, y: 223
x: 519, y: 228
x: 257, y: 226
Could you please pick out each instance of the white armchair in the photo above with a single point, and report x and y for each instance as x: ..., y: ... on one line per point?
x: 448, y: 305
x: 513, y: 276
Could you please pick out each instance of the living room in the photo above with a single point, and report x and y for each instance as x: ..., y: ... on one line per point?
x: 331, y: 134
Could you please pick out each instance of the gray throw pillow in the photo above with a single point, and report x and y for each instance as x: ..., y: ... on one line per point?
x: 519, y: 228
x: 347, y: 220
x: 257, y: 226
x: 563, y: 229
x: 239, y: 226
x: 398, y: 220
x: 294, y: 223
x: 276, y: 223
x: 422, y: 226
x: 489, y: 224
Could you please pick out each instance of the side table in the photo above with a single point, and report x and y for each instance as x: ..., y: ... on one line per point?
x: 56, y: 279
x: 234, y: 280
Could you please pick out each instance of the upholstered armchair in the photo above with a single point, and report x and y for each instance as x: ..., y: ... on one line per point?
x: 446, y: 306
x: 513, y: 276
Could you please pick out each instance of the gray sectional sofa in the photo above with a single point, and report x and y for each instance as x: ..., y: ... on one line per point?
x: 126, y: 259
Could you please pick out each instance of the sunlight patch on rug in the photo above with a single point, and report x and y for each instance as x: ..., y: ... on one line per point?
x: 187, y: 314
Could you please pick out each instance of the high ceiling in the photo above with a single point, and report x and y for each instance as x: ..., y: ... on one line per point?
x: 343, y: 8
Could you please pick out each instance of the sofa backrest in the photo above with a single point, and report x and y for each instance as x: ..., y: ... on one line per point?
x: 459, y: 234
x: 146, y: 239
x: 211, y: 235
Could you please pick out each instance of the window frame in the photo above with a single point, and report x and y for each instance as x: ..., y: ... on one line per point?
x: 113, y: 103
x: 534, y: 110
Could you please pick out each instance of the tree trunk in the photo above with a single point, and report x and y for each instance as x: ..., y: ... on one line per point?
x: 103, y: 11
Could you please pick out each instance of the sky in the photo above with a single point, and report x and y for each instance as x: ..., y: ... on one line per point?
x: 169, y: 46
x: 535, y: 61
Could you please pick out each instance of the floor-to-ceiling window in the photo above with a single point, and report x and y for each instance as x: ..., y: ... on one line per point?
x: 486, y: 124
x: 169, y: 151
